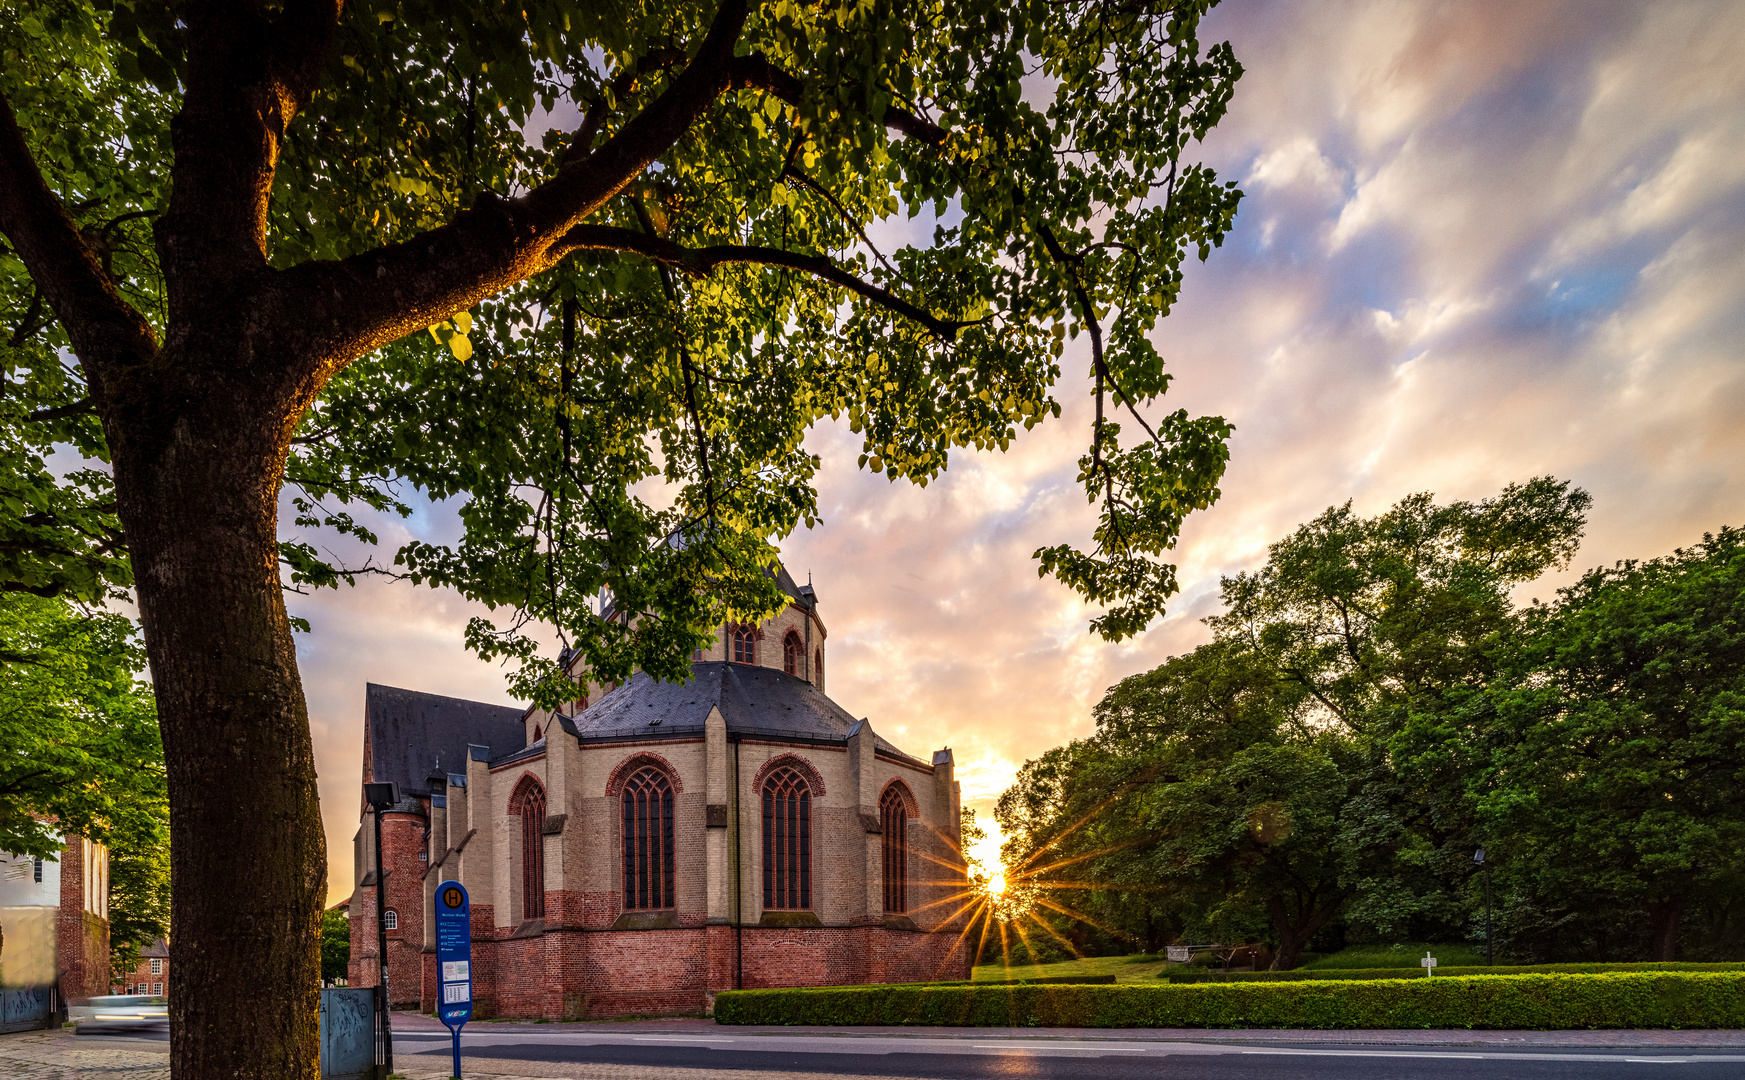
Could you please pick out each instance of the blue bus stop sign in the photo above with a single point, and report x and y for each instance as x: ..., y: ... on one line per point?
x: 454, y: 960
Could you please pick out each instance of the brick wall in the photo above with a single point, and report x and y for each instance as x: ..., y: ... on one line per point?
x: 81, y: 937
x: 402, y: 842
x: 141, y: 976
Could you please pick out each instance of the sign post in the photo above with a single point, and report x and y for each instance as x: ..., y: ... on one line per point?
x: 1428, y: 964
x: 454, y: 961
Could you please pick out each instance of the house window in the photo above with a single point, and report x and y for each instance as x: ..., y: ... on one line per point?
x: 894, y: 820
x: 787, y: 841
x: 648, y: 841
x: 793, y: 654
x: 530, y: 804
x: 157, y: 967
x: 36, y: 871
x: 157, y: 989
x: 390, y: 921
x: 745, y: 644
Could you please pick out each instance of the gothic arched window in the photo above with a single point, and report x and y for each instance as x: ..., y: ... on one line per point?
x: 793, y: 653
x: 818, y: 666
x: 648, y: 841
x: 530, y: 804
x: 894, y: 821
x: 787, y: 841
x: 744, y: 643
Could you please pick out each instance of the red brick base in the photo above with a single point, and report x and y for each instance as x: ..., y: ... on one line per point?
x: 576, y: 974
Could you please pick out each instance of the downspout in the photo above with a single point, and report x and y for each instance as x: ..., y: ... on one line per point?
x: 738, y: 882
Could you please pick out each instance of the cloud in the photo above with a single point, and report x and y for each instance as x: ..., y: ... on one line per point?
x: 1481, y: 242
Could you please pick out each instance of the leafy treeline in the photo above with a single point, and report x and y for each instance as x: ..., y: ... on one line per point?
x: 1373, y: 707
x: 82, y: 755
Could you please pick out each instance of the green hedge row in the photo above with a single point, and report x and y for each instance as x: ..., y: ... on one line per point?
x: 1321, y: 975
x: 1547, y: 1002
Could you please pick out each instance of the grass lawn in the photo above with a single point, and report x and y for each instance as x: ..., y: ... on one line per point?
x: 1405, y: 955
x: 1139, y: 969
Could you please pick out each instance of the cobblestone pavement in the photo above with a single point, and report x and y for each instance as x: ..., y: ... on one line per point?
x: 59, y: 1055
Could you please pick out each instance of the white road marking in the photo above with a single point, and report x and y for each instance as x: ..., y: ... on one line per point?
x: 683, y: 1038
x: 1059, y: 1046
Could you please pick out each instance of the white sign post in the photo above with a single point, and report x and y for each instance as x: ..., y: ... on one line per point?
x: 1177, y: 954
x: 1428, y: 964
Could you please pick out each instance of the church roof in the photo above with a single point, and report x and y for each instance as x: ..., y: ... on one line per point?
x: 755, y: 701
x: 414, y: 735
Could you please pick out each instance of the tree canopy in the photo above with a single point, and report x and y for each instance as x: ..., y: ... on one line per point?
x: 591, y: 270
x: 1374, y: 706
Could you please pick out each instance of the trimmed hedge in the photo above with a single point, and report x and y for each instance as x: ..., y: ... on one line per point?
x: 1325, y: 974
x: 1547, y: 1002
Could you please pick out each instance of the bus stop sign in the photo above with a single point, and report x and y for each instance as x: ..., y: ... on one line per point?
x: 454, y: 960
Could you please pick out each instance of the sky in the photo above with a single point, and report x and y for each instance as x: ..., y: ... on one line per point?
x: 1480, y: 242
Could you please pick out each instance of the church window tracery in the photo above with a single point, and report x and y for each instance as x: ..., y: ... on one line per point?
x: 648, y: 840
x: 787, y: 841
x: 793, y: 653
x: 529, y: 802
x: 894, y: 823
x: 744, y: 643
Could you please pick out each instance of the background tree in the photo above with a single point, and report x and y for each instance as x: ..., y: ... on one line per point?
x: 335, y: 947
x: 1616, y: 789
x: 139, y: 876
x: 677, y: 285
x: 1306, y: 767
x: 82, y: 754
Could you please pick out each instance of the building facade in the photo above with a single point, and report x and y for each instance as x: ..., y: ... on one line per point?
x: 655, y: 843
x: 151, y: 976
x: 54, y: 927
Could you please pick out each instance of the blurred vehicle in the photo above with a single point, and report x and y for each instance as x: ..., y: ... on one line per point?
x: 120, y: 1012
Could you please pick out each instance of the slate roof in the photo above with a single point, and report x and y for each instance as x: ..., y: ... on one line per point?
x: 755, y: 701
x: 413, y: 734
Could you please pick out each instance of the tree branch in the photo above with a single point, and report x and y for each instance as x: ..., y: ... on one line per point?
x: 373, y: 298
x: 101, y: 326
x: 755, y: 72
x: 701, y: 261
x: 248, y: 75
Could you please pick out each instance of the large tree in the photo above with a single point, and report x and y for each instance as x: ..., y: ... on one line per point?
x: 228, y: 226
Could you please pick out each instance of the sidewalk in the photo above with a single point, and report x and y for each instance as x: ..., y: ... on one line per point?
x: 59, y: 1055
x: 1594, y: 1040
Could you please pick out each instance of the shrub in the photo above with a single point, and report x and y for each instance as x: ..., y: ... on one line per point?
x: 1324, y: 974
x: 1672, y: 999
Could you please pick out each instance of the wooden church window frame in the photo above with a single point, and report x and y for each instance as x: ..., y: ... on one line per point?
x: 647, y: 821
x: 528, y: 803
x: 894, y: 814
x: 743, y: 643
x: 787, y: 841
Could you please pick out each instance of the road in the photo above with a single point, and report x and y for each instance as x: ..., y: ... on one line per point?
x: 692, y: 1055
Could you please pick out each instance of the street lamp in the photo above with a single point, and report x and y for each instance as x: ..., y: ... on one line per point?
x: 380, y: 798
x: 1478, y: 860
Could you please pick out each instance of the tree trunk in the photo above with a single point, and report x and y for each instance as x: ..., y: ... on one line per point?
x: 1664, y: 917
x: 1294, y: 934
x: 198, y: 454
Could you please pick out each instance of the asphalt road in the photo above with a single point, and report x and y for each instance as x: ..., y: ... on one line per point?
x: 973, y: 1057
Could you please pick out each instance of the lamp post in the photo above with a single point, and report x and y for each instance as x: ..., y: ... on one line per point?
x: 1478, y: 860
x: 380, y: 798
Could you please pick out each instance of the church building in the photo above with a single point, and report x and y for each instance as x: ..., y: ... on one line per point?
x: 653, y: 843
